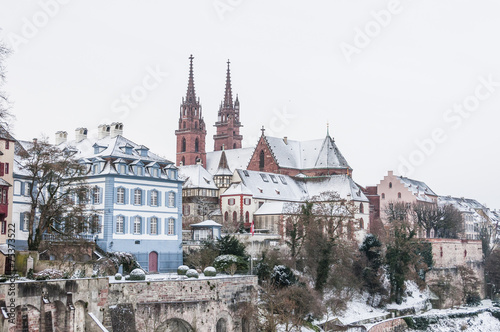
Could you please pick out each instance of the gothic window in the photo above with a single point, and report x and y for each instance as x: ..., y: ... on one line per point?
x: 247, y: 217
x: 390, y: 184
x: 361, y: 223
x: 183, y: 148
x: 235, y: 216
x: 261, y: 159
x: 361, y: 208
x: 196, y: 145
x: 226, y: 216
x: 195, y: 124
x: 184, y: 125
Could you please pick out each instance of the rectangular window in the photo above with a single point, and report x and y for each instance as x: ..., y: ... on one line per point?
x: 264, y: 177
x: 230, y: 201
x: 27, y: 190
x: 154, y: 198
x: 96, y: 195
x: 171, y: 226
x: 119, y: 224
x: 273, y: 178
x: 120, y: 196
x: 282, y: 178
x: 137, y: 196
x: 154, y: 225
x: 6, y: 145
x: 6, y: 168
x: 171, y: 199
x: 3, y: 226
x: 26, y: 222
x: 137, y: 225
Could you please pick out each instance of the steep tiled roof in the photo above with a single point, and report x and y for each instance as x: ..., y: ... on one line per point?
x: 314, y: 154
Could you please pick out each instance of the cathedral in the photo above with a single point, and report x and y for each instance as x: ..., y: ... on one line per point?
x: 237, y: 185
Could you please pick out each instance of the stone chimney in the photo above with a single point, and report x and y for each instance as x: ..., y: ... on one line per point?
x: 116, y: 129
x: 80, y: 134
x: 61, y: 137
x: 103, y: 131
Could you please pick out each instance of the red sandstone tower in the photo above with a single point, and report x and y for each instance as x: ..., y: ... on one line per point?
x: 191, y: 133
x: 228, y: 123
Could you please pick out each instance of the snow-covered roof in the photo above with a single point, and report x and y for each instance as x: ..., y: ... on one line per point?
x: 195, y: 176
x: 417, y: 188
x: 314, y: 154
x: 236, y: 159
x: 115, y: 147
x: 271, y: 208
x: 342, y: 184
x: 207, y: 223
x: 277, y: 187
x: 4, y: 183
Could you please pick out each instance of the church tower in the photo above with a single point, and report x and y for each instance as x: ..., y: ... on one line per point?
x: 228, y: 122
x: 191, y: 133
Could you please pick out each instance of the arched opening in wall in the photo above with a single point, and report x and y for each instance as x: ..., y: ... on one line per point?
x: 361, y: 223
x: 399, y: 195
x: 80, y: 317
x: 60, y: 321
x: 25, y: 316
x: 247, y: 217
x: 183, y: 147
x: 153, y: 261
x: 234, y: 146
x: 195, y: 123
x: 175, y: 325
x: 261, y: 159
x: 245, y: 325
x: 221, y: 325
x: 235, y: 217
x: 226, y: 216
x: 390, y: 184
x: 361, y: 208
x: 196, y: 145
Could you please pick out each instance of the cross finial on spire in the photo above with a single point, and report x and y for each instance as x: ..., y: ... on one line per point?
x: 191, y: 95
x: 327, y: 129
x: 263, y: 130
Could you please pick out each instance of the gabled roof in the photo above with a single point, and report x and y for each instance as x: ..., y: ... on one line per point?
x: 195, y: 176
x: 314, y: 154
x: 236, y: 159
x: 342, y: 184
x: 4, y: 134
x: 206, y: 223
x: 417, y: 188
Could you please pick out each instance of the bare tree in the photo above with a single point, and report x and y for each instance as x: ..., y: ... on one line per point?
x: 4, y: 106
x: 445, y: 221
x: 58, y: 191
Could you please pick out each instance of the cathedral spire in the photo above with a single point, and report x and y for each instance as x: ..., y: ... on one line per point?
x: 190, y: 95
x: 228, y: 95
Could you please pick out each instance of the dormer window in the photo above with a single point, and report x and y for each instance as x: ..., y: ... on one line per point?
x: 140, y: 170
x: 123, y: 169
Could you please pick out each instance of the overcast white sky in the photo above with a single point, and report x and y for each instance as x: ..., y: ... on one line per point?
x: 384, y: 74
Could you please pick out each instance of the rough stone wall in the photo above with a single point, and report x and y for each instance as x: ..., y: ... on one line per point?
x: 453, y: 252
x: 151, y: 304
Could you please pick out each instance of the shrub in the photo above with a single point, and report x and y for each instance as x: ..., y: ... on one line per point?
x: 192, y: 273
x: 473, y: 299
x: 118, y: 276
x: 181, y: 270
x: 230, y: 264
x: 127, y: 277
x: 137, y: 274
x: 210, y: 271
x: 282, y: 276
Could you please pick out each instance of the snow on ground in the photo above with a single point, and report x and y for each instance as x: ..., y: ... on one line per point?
x: 414, y: 298
x: 357, y: 310
x: 172, y: 276
x: 483, y: 322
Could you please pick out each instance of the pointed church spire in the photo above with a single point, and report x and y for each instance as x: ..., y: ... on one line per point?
x: 228, y: 95
x: 327, y: 129
x: 190, y: 95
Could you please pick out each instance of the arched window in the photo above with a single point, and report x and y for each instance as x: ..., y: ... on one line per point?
x: 196, y: 145
x: 234, y: 146
x: 235, y: 216
x: 183, y: 148
x: 247, y: 217
x: 399, y: 195
x: 226, y: 216
x: 361, y: 223
x: 383, y: 196
x: 261, y: 159
x: 390, y: 184
x: 183, y: 125
x: 361, y: 208
x: 195, y: 123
